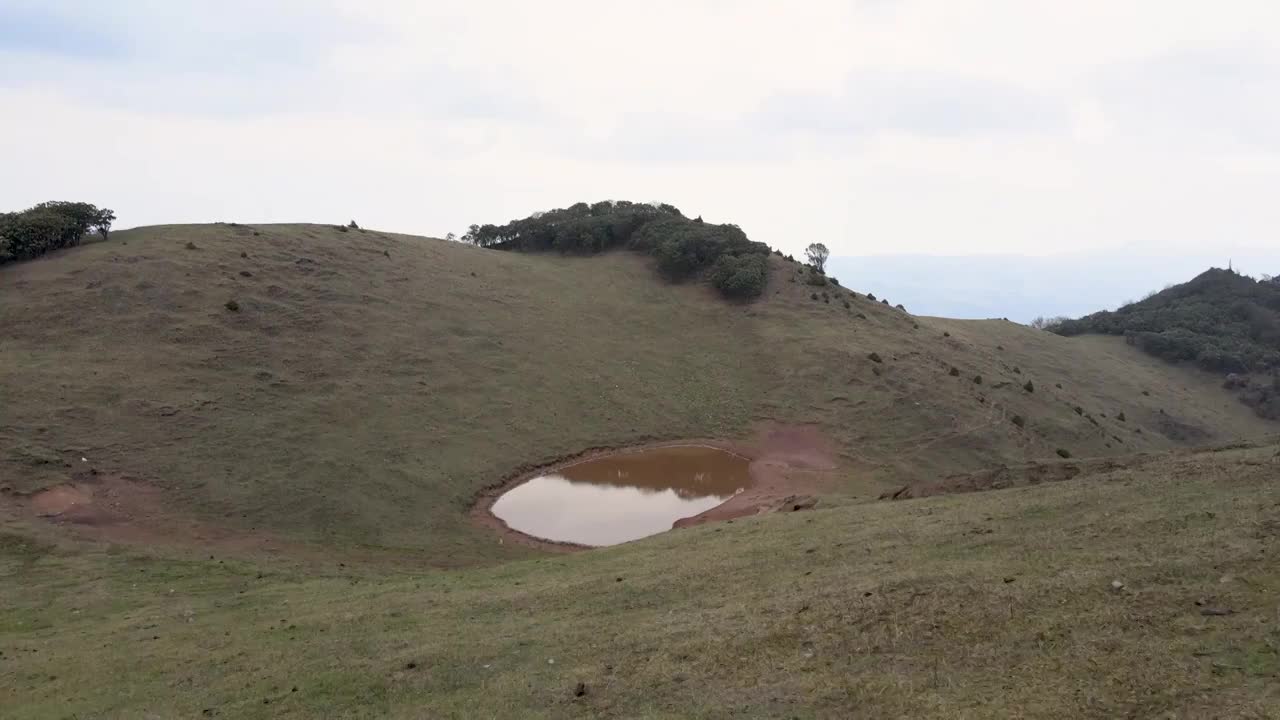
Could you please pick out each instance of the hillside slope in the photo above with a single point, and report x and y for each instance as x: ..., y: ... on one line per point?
x: 1133, y: 593
x: 370, y: 385
x: 1220, y: 320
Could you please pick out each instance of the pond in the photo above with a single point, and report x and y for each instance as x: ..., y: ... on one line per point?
x: 625, y: 496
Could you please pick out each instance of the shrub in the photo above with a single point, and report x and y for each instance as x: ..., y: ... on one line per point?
x: 1029, y: 387
x: 50, y: 226
x: 875, y: 358
x: 955, y: 371
x: 1019, y: 421
x: 816, y: 279
x: 1220, y: 320
x: 232, y: 305
x: 683, y: 248
x: 1121, y: 417
x: 813, y: 296
x: 740, y: 276
x: 871, y: 297
x: 1063, y: 453
x: 1079, y: 410
x: 833, y: 281
x: 977, y: 379
x: 353, y: 225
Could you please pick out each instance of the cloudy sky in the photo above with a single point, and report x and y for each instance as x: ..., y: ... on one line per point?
x: 1029, y: 127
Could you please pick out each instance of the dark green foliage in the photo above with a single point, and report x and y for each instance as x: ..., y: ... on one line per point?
x: 833, y: 281
x: 816, y: 278
x: 955, y: 372
x: 871, y: 297
x: 50, y: 226
x: 740, y: 276
x: 1064, y: 454
x: 884, y: 302
x: 1265, y: 399
x: 826, y: 298
x: 846, y: 304
x: 1019, y: 421
x: 1221, y: 321
x: 353, y: 225
x: 232, y: 305
x: 813, y: 296
x: 683, y: 248
x: 977, y: 379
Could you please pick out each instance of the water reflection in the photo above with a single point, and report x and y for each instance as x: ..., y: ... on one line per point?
x: 623, y: 497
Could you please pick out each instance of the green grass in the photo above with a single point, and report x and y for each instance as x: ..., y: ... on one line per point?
x: 372, y: 384
x: 981, y: 605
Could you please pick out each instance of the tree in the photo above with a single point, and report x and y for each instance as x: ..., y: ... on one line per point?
x: 817, y: 253
x: 49, y: 226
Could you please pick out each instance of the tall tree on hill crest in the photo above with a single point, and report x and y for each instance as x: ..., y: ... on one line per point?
x: 817, y: 253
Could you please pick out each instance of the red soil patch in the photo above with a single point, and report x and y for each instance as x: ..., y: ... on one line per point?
x: 789, y: 464
x: 114, y: 509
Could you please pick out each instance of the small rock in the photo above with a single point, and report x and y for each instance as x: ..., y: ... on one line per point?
x: 1226, y: 579
x: 551, y: 661
x: 1116, y: 586
x: 1216, y: 612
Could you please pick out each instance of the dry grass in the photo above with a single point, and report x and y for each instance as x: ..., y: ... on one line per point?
x: 984, y: 605
x: 369, y: 385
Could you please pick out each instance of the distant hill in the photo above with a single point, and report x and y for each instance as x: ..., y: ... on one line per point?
x: 1024, y: 287
x: 1221, y: 320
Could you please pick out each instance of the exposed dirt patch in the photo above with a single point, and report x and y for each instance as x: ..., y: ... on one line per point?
x: 114, y: 509
x: 789, y: 465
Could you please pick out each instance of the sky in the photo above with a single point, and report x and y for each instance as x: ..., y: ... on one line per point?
x: 877, y: 127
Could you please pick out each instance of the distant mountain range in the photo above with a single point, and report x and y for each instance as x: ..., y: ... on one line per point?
x: 1022, y: 288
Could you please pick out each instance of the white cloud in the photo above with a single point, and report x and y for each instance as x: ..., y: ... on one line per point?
x: 877, y: 126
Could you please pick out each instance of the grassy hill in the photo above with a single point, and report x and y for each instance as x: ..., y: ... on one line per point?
x: 1220, y: 320
x: 322, y: 443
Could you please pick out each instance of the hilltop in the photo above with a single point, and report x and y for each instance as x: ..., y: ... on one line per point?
x: 1220, y: 321
x: 243, y: 459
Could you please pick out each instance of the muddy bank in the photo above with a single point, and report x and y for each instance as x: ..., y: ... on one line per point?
x: 788, y: 466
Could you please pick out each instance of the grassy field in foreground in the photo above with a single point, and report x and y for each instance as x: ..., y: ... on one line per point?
x: 371, y: 384
x: 995, y: 604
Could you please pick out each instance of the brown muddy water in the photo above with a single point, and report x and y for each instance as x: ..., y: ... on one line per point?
x: 622, y: 497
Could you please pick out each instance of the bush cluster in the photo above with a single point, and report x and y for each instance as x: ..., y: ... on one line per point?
x: 1221, y: 321
x: 50, y: 226
x: 684, y: 249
